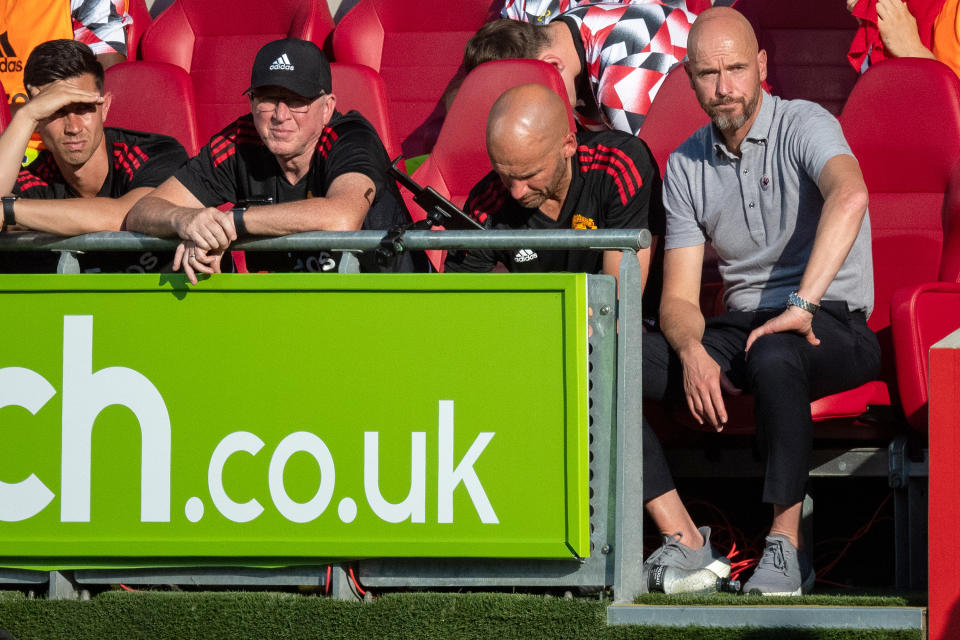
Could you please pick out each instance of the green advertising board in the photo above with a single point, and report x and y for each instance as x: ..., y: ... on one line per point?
x: 282, y: 417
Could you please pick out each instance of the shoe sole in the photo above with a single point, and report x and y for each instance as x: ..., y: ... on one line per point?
x: 806, y: 587
x: 757, y: 592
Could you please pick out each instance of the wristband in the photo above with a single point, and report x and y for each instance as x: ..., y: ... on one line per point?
x: 793, y: 300
x: 238, y: 223
x: 8, y: 218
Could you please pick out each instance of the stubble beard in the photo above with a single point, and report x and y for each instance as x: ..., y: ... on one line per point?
x: 552, y: 190
x: 732, y: 122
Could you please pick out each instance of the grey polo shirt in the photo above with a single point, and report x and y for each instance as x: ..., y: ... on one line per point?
x: 760, y: 211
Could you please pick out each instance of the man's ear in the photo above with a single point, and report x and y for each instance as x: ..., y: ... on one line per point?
x: 762, y: 64
x: 552, y: 59
x: 569, y: 145
x: 329, y: 106
x: 107, y: 101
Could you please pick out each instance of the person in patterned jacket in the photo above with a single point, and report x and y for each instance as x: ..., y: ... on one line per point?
x: 612, y: 55
x: 88, y: 176
x: 293, y: 164
x: 100, y: 24
x: 548, y: 177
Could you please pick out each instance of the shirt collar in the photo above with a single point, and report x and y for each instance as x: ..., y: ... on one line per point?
x: 758, y: 131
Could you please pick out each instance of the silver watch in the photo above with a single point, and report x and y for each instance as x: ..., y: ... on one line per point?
x: 793, y: 300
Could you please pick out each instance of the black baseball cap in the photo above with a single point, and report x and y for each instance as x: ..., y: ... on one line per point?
x: 294, y: 64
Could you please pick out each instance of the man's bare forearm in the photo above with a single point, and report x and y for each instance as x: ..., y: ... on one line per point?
x: 315, y: 214
x: 13, y: 143
x: 158, y: 217
x: 682, y: 324
x: 844, y: 207
x: 70, y: 217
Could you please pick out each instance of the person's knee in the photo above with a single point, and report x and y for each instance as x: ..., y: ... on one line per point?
x: 656, y: 365
x: 773, y: 357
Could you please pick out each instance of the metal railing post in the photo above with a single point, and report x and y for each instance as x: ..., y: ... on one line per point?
x: 628, y: 545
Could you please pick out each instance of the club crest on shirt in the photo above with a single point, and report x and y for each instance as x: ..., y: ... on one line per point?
x: 582, y: 222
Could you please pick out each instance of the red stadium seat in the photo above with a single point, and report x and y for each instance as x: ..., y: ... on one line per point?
x: 922, y: 314
x: 137, y: 104
x: 361, y: 88
x: 673, y: 116
x: 806, y: 44
x: 902, y: 121
x: 417, y: 47
x: 141, y: 20
x: 215, y: 41
x: 459, y: 159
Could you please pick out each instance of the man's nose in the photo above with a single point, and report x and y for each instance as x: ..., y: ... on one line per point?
x: 73, y: 123
x: 723, y: 83
x: 518, y: 188
x: 282, y: 112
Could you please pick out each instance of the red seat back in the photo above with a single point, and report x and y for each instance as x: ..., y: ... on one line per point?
x: 215, y: 41
x: 417, y: 47
x: 806, y: 44
x: 459, y: 159
x: 155, y: 97
x: 923, y: 314
x: 902, y: 122
x: 361, y: 88
x: 673, y: 116
x: 141, y: 20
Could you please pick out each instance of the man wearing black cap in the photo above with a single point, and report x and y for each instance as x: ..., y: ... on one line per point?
x: 320, y: 169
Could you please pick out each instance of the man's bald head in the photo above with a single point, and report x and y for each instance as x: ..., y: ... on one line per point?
x: 720, y: 23
x: 530, y: 115
x: 726, y: 70
x: 530, y: 144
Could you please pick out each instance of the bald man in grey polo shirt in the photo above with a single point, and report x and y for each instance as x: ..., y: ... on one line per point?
x: 773, y: 186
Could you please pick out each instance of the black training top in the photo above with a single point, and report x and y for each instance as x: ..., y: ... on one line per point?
x: 615, y: 184
x: 137, y: 159
x: 236, y: 166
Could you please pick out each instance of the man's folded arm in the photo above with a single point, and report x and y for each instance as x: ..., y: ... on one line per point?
x: 343, y: 209
x: 165, y: 211
x: 76, y: 216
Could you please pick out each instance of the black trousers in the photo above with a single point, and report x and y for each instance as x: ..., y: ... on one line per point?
x: 784, y: 373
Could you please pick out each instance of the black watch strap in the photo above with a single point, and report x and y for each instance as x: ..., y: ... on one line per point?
x: 238, y: 223
x: 8, y: 218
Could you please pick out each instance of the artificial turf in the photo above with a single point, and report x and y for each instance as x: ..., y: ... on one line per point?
x: 423, y: 616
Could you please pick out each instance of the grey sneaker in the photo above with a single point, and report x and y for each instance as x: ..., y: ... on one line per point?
x: 673, y: 554
x: 781, y: 571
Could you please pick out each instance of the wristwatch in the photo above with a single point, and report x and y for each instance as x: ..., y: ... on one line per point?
x: 793, y: 300
x: 8, y: 218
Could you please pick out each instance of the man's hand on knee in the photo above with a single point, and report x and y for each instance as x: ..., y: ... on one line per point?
x: 793, y: 319
x: 703, y: 386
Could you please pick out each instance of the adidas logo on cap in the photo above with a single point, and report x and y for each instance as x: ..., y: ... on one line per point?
x: 282, y: 63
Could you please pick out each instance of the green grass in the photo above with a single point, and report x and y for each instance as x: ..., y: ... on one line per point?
x: 421, y: 616
x: 841, y: 599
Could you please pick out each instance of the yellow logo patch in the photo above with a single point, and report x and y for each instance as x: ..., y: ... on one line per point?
x: 583, y: 222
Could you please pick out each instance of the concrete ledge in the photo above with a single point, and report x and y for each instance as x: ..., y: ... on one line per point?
x: 769, y: 616
x: 23, y: 576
